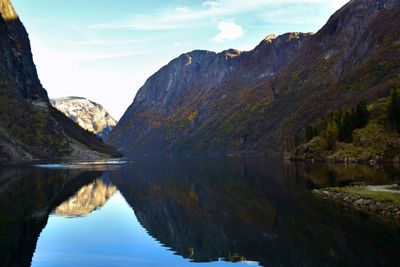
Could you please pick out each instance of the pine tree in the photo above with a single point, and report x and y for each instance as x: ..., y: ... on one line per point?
x: 310, y: 133
x: 361, y: 115
x: 331, y: 135
x: 394, y: 110
x: 296, y: 140
x: 347, y: 127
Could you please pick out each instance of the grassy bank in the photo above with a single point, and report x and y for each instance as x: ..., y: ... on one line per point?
x: 369, y: 193
x: 380, y: 201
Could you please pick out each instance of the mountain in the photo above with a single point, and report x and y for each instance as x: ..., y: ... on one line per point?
x: 30, y: 128
x: 256, y: 102
x: 89, y: 115
x: 180, y: 107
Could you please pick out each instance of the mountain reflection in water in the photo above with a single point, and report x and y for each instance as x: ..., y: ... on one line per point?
x: 178, y: 212
x: 89, y: 198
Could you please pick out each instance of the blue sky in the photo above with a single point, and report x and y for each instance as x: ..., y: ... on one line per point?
x: 105, y: 50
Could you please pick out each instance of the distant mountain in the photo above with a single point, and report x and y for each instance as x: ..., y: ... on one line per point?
x: 89, y: 115
x: 256, y: 102
x: 30, y: 128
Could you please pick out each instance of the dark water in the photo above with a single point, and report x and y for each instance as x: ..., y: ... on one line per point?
x: 189, y: 212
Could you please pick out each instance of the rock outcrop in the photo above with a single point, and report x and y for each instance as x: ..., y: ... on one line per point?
x: 30, y: 128
x: 89, y: 115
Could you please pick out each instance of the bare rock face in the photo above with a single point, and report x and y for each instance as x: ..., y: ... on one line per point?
x: 180, y: 97
x: 30, y: 128
x: 88, y: 199
x: 255, y: 102
x: 89, y: 115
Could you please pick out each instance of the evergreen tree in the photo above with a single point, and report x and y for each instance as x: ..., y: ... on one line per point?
x: 331, y: 135
x: 296, y: 140
x: 394, y: 110
x: 311, y: 132
x: 347, y: 121
x: 346, y: 128
x: 361, y: 115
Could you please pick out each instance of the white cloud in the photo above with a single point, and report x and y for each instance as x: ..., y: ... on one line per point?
x: 109, y: 42
x: 146, y: 26
x: 182, y: 9
x: 183, y: 17
x: 211, y: 4
x: 228, y: 30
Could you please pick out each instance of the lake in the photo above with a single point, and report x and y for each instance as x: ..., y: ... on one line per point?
x: 188, y: 212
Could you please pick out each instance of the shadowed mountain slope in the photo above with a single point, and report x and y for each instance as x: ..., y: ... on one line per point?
x: 30, y: 128
x: 255, y: 102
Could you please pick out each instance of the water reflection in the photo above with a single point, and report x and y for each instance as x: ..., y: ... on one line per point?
x: 89, y: 198
x: 179, y: 212
x: 27, y: 197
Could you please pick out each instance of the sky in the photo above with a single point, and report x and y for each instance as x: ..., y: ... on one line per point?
x: 105, y: 50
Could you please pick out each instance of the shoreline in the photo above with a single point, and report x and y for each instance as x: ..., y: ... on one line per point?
x: 344, y: 161
x: 375, y: 203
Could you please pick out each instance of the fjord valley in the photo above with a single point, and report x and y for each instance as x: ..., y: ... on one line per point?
x: 30, y: 128
x: 285, y: 154
x: 256, y: 102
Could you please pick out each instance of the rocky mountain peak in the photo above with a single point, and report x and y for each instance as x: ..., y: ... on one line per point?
x: 232, y: 53
x: 354, y: 17
x: 270, y: 38
x: 7, y: 10
x: 290, y: 38
x: 88, y: 114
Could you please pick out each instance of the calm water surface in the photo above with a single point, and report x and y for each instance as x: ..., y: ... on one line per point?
x: 188, y: 212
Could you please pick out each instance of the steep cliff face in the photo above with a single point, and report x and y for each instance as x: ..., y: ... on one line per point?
x: 186, y: 96
x: 255, y: 102
x: 16, y: 59
x: 89, y: 115
x: 29, y: 127
x: 354, y: 57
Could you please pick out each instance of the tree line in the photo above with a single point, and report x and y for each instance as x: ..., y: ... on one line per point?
x: 340, y: 125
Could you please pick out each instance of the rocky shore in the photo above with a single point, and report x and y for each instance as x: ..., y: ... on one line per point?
x: 386, y: 210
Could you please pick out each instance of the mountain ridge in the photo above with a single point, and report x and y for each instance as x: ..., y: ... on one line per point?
x: 278, y: 88
x: 196, y: 74
x: 90, y: 115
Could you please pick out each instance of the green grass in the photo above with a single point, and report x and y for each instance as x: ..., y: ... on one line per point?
x: 365, y: 193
